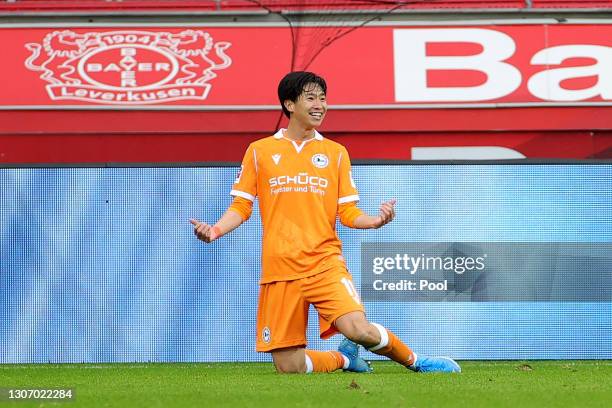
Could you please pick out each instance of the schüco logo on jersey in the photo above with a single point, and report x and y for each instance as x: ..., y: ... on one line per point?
x: 128, y: 67
x: 301, y: 183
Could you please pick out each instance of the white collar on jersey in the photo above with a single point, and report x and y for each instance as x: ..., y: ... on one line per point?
x: 279, y: 134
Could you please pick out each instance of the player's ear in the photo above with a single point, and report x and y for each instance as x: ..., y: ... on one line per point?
x: 289, y: 105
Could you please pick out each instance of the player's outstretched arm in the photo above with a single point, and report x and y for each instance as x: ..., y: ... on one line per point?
x: 385, y: 215
x: 226, y: 224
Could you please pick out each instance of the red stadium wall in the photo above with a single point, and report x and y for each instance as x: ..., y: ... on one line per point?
x: 42, y: 121
x: 192, y: 148
x: 38, y: 6
x: 129, y: 137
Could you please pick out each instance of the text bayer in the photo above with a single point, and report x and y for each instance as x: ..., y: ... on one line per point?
x: 412, y: 65
x: 409, y: 285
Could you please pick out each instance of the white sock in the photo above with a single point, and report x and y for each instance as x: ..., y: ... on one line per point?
x: 346, y: 362
x: 384, y: 337
x: 309, y: 366
x: 415, y: 359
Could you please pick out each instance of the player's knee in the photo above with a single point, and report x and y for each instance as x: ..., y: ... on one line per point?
x: 363, y: 333
x: 289, y: 367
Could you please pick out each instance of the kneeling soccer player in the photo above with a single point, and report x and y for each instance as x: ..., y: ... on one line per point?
x: 304, y: 182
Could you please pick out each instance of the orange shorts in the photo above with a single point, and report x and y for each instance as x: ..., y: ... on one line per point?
x: 282, y: 314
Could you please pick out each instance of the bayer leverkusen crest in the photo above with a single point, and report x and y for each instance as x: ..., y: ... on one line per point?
x: 128, y: 67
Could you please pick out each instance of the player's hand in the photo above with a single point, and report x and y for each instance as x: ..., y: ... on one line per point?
x: 204, y: 231
x: 386, y: 213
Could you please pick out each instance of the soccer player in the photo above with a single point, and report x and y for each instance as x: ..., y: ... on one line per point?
x: 304, y: 183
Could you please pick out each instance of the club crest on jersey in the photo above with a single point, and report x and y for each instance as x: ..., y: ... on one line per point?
x: 320, y: 160
x: 265, y: 335
x: 276, y: 158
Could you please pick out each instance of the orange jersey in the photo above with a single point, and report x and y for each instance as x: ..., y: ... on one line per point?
x: 300, y: 186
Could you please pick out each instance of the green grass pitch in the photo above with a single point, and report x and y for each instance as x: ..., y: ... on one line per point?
x: 482, y: 384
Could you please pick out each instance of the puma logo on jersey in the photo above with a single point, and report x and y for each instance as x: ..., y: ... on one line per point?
x: 276, y: 158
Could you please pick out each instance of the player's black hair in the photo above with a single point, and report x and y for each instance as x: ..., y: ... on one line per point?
x: 293, y: 84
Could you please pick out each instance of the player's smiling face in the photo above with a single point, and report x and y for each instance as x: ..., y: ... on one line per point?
x: 310, y: 108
